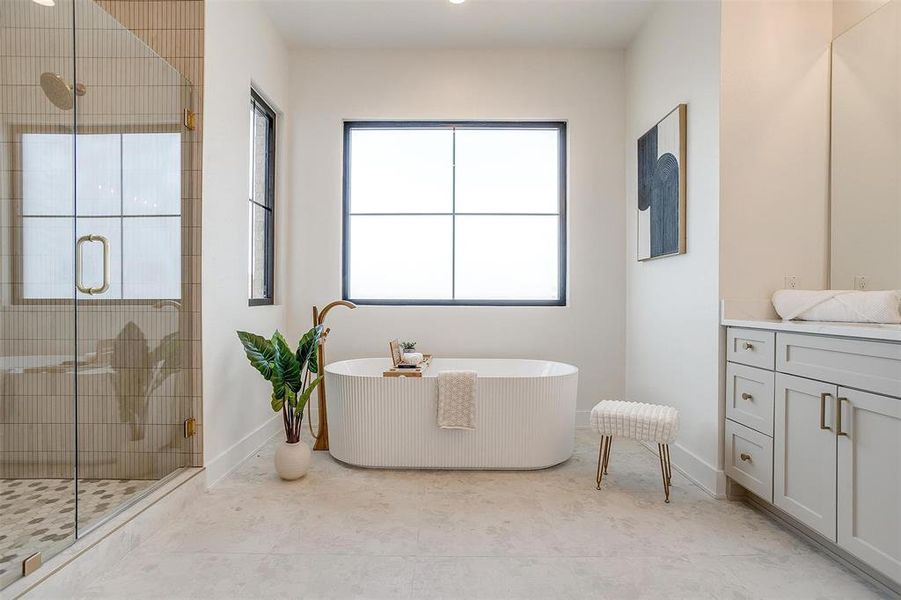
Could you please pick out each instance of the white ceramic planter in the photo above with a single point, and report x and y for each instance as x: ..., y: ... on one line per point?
x: 292, y: 460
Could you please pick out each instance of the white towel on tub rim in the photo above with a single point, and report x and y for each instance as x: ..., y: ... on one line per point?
x: 457, y: 399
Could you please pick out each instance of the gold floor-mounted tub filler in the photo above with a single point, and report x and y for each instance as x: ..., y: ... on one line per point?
x: 319, y: 319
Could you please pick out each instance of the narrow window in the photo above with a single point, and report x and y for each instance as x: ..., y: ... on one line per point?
x: 466, y: 213
x: 262, y: 201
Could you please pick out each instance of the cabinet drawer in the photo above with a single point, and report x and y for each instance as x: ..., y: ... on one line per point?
x: 749, y: 459
x: 750, y: 347
x: 749, y: 397
x: 862, y: 364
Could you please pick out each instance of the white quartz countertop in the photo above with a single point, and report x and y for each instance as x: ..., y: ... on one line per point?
x: 871, y: 331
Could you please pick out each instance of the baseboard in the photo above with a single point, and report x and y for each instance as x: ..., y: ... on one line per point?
x: 704, y: 475
x: 102, y: 548
x: 226, y: 461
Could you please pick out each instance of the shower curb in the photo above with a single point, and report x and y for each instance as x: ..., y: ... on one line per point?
x: 94, y: 555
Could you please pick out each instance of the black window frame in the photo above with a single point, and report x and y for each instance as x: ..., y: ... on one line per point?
x: 258, y: 104
x: 559, y: 126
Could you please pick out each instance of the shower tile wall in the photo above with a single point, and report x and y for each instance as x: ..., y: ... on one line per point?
x: 37, y: 413
x: 122, y: 433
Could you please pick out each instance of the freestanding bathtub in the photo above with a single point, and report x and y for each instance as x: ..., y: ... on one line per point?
x: 525, y: 415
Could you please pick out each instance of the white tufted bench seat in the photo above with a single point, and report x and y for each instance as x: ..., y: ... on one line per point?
x: 635, y: 421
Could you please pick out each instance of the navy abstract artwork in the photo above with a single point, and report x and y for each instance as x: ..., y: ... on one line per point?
x: 661, y: 187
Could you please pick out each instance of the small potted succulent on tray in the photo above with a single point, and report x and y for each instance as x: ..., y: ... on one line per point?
x: 408, y: 347
x: 291, y: 373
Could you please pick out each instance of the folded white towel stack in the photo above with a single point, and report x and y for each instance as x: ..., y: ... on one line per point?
x: 847, y: 306
x: 412, y: 358
x: 456, y: 399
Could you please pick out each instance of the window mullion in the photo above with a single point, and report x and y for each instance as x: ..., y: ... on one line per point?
x: 453, y: 213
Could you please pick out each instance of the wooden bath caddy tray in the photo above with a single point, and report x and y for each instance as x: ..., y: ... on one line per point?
x: 415, y: 372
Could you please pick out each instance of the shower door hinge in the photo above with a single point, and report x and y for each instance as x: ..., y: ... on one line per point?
x: 190, y: 119
x: 31, y: 564
x: 190, y: 427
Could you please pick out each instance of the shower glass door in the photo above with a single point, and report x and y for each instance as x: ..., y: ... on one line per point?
x: 99, y: 282
x: 133, y: 279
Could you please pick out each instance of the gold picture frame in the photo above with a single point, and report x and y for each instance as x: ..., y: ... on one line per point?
x: 662, y: 188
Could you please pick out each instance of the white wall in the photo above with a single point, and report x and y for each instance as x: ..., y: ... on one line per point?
x: 672, y: 331
x: 241, y: 47
x: 774, y: 146
x: 583, y: 87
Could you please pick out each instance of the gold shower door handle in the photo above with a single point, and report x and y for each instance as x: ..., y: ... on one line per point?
x: 92, y: 237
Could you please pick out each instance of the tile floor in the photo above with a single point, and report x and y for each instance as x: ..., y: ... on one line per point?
x: 344, y: 532
x: 38, y: 515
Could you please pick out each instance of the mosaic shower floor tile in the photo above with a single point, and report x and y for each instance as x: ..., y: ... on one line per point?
x: 37, y: 515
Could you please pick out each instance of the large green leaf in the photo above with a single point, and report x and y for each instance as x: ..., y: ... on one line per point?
x: 305, y: 396
x: 306, y: 349
x: 277, y: 403
x: 286, y: 363
x: 260, y: 352
x: 278, y: 386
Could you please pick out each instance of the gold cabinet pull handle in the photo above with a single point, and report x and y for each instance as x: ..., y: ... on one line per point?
x: 747, y: 396
x: 823, y: 397
x: 838, y: 416
x: 93, y: 237
x: 748, y: 346
x: 745, y: 457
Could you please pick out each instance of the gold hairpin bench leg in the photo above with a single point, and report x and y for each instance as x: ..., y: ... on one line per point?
x: 609, y: 451
x: 603, y: 458
x: 669, y: 467
x: 665, y: 468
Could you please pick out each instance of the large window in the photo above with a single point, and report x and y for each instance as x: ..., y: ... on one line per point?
x: 262, y: 200
x: 128, y: 190
x: 455, y: 213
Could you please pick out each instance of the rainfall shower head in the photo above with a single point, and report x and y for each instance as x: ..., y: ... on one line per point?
x: 59, y: 92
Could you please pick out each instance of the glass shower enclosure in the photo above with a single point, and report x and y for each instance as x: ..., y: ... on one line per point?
x: 98, y: 275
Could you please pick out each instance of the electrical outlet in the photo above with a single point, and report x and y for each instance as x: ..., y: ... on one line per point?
x: 861, y: 282
x: 791, y: 282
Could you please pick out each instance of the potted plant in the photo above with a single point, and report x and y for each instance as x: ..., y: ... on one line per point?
x: 408, y: 346
x: 290, y: 372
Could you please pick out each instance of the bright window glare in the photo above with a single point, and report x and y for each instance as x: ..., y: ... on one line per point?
x: 401, y: 171
x: 151, y: 173
x: 449, y: 213
x: 383, y: 250
x: 152, y: 253
x: 47, y: 175
x: 507, y: 171
x: 506, y: 257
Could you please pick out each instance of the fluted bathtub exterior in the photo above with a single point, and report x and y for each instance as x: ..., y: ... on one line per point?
x: 525, y: 416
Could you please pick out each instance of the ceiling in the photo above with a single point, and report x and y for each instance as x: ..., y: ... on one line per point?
x: 474, y: 24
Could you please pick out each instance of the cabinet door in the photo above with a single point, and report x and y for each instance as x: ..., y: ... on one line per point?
x: 869, y: 479
x: 804, y: 452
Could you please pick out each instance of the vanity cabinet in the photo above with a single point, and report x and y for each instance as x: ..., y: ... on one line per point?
x: 804, y: 452
x: 813, y: 426
x: 869, y: 478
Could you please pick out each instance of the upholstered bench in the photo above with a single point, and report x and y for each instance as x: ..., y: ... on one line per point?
x: 635, y: 421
